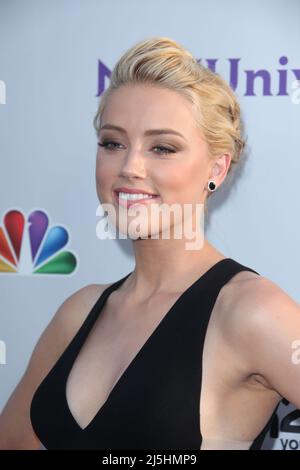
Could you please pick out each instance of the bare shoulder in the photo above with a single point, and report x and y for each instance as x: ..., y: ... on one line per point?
x: 249, y: 297
x: 63, y: 326
x: 16, y: 431
x: 260, y: 321
x: 74, y: 310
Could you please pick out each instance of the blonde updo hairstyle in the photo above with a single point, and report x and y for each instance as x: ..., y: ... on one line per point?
x: 161, y: 61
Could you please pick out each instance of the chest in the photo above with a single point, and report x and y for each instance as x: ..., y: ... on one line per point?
x: 152, y: 376
x: 168, y: 368
x: 151, y: 352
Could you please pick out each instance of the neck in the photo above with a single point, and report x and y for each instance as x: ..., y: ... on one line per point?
x: 165, y: 266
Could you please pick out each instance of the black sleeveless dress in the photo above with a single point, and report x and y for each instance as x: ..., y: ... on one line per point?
x: 155, y: 403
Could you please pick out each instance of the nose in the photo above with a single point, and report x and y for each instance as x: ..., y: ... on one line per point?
x: 133, y: 165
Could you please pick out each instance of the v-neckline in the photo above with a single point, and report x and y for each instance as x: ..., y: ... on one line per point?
x: 102, y: 301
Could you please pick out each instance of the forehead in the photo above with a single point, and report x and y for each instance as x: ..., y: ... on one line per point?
x: 145, y: 106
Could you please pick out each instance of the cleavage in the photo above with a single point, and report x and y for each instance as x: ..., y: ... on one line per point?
x: 108, y: 355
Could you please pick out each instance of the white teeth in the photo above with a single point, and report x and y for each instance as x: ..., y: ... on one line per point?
x: 134, y: 196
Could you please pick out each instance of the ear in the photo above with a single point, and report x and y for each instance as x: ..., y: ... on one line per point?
x: 220, y: 168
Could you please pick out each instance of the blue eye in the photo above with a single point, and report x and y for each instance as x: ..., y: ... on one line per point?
x: 105, y: 144
x: 164, y: 150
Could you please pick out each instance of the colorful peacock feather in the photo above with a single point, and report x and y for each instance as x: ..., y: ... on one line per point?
x: 30, y: 247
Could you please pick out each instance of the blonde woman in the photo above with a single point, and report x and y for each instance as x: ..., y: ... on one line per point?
x: 191, y: 349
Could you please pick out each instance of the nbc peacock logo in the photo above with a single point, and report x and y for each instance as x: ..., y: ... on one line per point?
x: 28, y: 245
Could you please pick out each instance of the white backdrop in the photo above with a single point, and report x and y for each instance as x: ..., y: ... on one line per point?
x: 50, y: 57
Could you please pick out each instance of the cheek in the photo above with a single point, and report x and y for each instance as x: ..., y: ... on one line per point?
x: 182, y: 181
x: 104, y: 172
x: 105, y: 177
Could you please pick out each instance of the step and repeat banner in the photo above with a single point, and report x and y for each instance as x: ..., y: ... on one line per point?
x: 56, y: 59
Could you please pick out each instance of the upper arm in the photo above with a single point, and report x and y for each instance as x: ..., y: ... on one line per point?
x: 265, y: 329
x: 16, y: 431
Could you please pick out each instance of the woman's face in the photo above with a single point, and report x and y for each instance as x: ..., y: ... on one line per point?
x: 134, y: 158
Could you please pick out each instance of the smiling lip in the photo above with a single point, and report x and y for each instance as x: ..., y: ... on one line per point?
x: 129, y: 202
x: 123, y: 189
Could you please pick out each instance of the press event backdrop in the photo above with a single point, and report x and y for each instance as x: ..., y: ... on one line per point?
x: 55, y: 60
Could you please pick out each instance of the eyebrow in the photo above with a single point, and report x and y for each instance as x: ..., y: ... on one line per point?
x: 148, y: 132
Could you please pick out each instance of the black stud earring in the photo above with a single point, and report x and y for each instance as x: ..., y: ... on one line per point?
x: 211, y: 185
